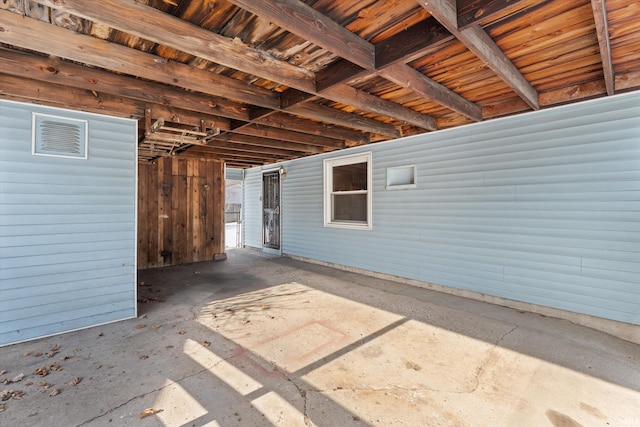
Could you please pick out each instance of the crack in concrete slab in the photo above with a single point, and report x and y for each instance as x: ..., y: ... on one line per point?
x: 490, y: 358
x: 115, y: 408
x: 505, y: 334
x: 301, y: 390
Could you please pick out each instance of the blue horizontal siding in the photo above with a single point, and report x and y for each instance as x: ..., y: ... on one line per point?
x: 541, y: 208
x: 67, y: 227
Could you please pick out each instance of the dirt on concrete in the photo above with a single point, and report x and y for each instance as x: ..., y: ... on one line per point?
x: 259, y: 340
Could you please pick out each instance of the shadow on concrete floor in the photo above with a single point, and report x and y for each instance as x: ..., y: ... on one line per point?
x: 260, y: 340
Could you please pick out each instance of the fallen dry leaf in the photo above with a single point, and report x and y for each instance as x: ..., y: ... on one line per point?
x: 56, y: 347
x: 42, y: 371
x: 141, y: 326
x: 11, y: 394
x: 51, y: 354
x: 245, y: 321
x: 264, y: 307
x: 54, y: 392
x: 65, y: 357
x: 74, y: 382
x: 44, y: 384
x: 2, y: 407
x: 56, y: 367
x: 26, y: 353
x: 148, y: 411
x: 98, y: 366
x: 206, y: 343
x: 182, y: 332
x: 17, y: 378
x: 37, y: 354
x: 3, y: 371
x: 144, y: 316
x: 17, y: 395
x: 143, y: 357
x: 28, y: 384
x: 156, y: 326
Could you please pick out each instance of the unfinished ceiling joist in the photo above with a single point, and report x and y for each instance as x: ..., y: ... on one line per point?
x: 289, y: 78
x: 483, y: 46
x: 144, y: 21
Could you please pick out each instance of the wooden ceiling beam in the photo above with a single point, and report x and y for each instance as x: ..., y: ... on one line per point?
x: 287, y: 121
x: 415, y: 42
x: 288, y: 135
x: 143, y: 21
x: 60, y: 72
x: 471, y: 12
x: 248, y: 148
x: 237, y: 153
x: 56, y: 95
x: 333, y: 115
x: 224, y: 157
x: 602, y: 30
x: 267, y: 142
x: 303, y: 20
x: 341, y: 71
x: 407, y: 76
x: 53, y: 40
x: 483, y: 46
x: 53, y: 70
x: 296, y: 17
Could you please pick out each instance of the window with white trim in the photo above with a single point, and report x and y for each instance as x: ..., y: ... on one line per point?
x: 347, y: 191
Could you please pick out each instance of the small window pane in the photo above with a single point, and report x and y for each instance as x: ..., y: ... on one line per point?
x: 350, y: 177
x: 349, y: 207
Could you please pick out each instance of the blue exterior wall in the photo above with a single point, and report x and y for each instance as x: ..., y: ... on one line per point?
x: 542, y: 208
x: 67, y: 227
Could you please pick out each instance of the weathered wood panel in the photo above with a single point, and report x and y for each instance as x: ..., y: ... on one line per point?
x: 180, y: 212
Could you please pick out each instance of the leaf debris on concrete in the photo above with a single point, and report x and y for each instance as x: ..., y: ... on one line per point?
x: 54, y: 392
x: 11, y: 394
x: 149, y: 411
x: 15, y: 379
x: 74, y: 382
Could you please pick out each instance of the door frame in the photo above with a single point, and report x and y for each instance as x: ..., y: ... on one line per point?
x: 265, y: 172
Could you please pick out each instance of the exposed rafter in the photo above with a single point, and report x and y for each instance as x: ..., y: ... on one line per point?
x: 40, y: 36
x: 602, y: 31
x: 144, y: 21
x: 306, y: 22
x: 289, y: 78
x: 483, y: 46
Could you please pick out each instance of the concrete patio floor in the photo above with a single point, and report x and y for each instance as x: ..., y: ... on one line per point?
x: 259, y: 340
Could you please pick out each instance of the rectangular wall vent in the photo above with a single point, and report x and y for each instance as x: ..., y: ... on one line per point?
x: 59, y: 136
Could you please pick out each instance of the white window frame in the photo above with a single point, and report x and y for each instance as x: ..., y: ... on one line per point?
x: 328, y: 166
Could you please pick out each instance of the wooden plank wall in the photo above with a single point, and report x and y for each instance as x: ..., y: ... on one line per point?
x: 180, y: 212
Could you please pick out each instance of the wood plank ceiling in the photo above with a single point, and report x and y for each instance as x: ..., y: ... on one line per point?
x: 256, y: 81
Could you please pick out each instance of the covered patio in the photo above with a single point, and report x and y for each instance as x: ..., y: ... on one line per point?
x: 261, y: 340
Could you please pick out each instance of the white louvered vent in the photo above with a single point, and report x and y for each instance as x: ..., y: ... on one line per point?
x: 59, y: 136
